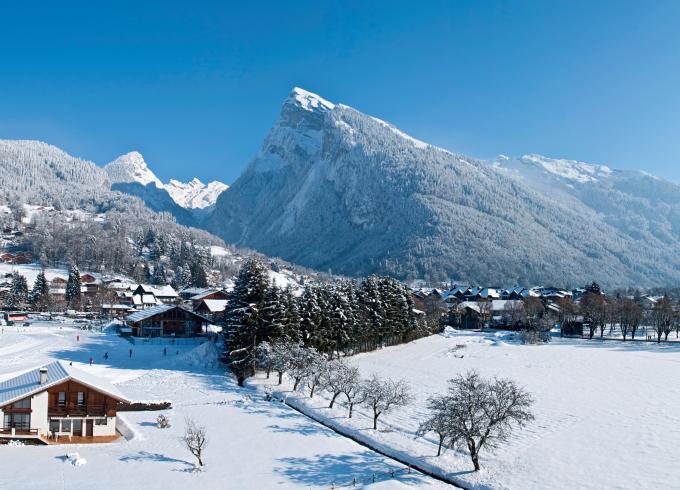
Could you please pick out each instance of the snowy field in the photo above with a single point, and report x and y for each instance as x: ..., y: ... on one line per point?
x: 607, y: 413
x: 253, y: 444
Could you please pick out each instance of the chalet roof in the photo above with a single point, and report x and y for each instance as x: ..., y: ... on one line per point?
x: 194, y: 291
x: 215, y: 305
x: 142, y: 315
x: 203, y: 294
x: 28, y: 383
x: 139, y: 316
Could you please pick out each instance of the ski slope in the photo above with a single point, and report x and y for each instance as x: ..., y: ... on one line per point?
x: 253, y: 443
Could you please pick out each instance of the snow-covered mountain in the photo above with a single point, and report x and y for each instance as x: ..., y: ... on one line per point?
x: 195, y: 194
x: 131, y: 168
x: 332, y: 188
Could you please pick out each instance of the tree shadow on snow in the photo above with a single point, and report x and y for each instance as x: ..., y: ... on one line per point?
x: 326, y: 470
x: 303, y: 428
x: 154, y: 457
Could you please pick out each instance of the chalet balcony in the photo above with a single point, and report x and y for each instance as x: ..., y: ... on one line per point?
x: 15, y: 431
x: 75, y: 410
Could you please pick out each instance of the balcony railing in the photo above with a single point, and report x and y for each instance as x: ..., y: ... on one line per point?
x: 14, y: 431
x: 75, y: 409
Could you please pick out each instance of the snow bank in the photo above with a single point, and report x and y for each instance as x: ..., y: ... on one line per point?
x: 207, y: 355
x: 75, y: 459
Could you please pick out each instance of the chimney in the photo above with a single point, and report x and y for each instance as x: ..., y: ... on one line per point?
x: 43, y: 375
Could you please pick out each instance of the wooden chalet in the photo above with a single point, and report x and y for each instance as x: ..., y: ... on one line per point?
x: 166, y: 320
x: 211, y: 307
x: 211, y: 294
x: 60, y: 403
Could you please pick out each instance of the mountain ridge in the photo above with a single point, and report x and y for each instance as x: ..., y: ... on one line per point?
x: 333, y: 188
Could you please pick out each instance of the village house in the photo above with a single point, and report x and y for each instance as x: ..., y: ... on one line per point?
x: 59, y: 402
x: 210, y: 294
x: 166, y: 320
x: 211, y: 308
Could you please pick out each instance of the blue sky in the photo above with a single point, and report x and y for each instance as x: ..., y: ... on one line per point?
x: 195, y: 86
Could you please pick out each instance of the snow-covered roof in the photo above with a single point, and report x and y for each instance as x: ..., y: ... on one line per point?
x: 203, y: 294
x: 139, y: 316
x: 166, y: 291
x: 215, y: 305
x: 28, y: 383
x: 194, y: 291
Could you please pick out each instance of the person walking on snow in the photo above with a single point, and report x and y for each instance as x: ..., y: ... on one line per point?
x: 91, y: 360
x: 165, y: 351
x: 130, y: 352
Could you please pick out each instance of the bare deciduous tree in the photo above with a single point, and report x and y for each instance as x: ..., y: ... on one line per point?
x: 481, y: 413
x: 338, y: 377
x: 194, y: 439
x: 438, y: 422
x: 383, y: 395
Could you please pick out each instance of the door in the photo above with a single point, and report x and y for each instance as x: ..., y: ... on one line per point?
x: 89, y: 428
x: 77, y: 427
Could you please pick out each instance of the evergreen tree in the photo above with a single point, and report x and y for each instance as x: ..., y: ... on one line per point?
x: 72, y: 294
x: 199, y: 278
x: 243, y: 326
x: 159, y: 276
x: 40, y: 294
x: 18, y: 294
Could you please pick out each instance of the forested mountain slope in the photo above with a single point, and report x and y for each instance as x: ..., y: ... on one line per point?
x: 332, y: 188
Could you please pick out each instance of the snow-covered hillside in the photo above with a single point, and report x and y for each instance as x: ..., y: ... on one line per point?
x: 131, y: 168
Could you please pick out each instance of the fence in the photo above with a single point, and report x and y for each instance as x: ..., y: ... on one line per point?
x: 374, y: 478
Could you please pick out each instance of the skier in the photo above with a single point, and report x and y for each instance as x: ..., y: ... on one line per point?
x: 106, y: 355
x: 165, y: 351
x: 130, y: 353
x: 91, y: 360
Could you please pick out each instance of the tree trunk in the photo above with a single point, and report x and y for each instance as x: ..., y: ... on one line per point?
x: 268, y: 371
x: 280, y: 377
x: 335, y: 395
x: 297, y: 382
x: 351, y: 408
x: 240, y: 379
x: 375, y: 420
x: 311, y: 393
x: 439, y: 449
x: 474, y: 453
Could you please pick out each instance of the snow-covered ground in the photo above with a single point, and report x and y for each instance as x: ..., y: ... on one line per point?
x: 606, y: 412
x: 253, y: 443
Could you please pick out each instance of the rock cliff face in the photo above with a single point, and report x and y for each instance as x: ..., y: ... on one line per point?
x: 332, y: 188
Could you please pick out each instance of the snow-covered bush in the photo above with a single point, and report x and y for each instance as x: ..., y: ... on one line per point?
x: 163, y: 421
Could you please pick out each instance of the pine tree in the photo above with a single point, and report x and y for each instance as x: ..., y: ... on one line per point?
x: 18, y: 295
x: 40, y: 293
x: 72, y: 294
x: 199, y: 278
x: 159, y: 276
x: 243, y: 324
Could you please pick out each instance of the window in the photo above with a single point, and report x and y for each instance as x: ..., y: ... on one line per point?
x: 81, y: 398
x: 22, y: 420
x: 25, y: 403
x: 61, y: 399
x: 7, y: 422
x: 100, y: 422
x: 66, y: 425
x: 77, y: 426
x: 54, y: 425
